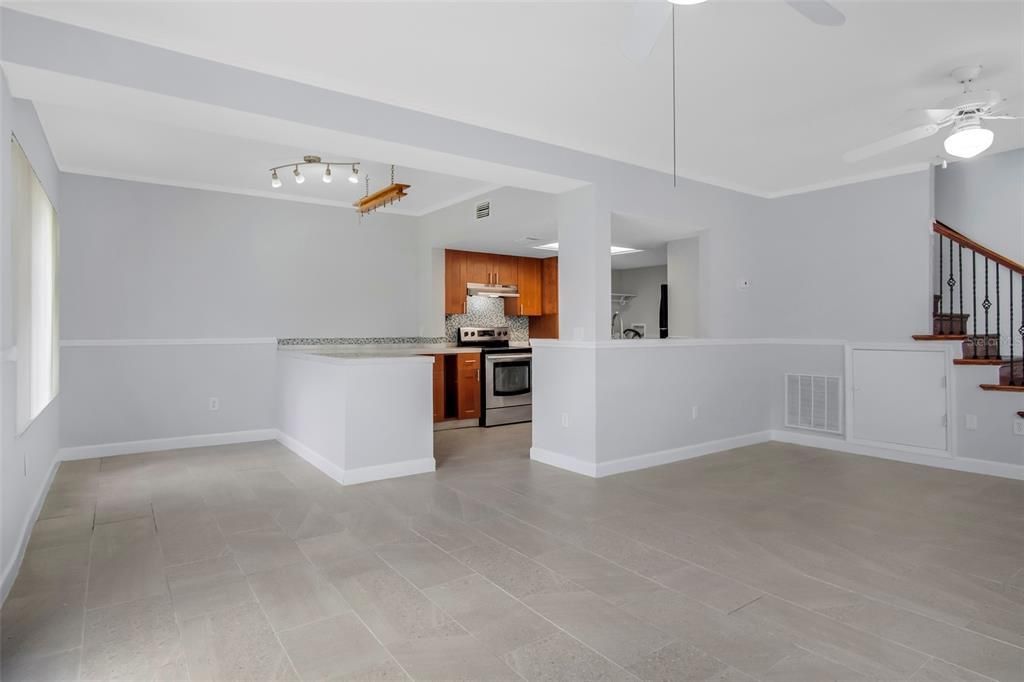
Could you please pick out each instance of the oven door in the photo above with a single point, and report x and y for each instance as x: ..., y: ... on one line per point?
x: 509, y: 379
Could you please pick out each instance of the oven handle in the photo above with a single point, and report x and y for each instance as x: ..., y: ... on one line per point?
x: 516, y: 356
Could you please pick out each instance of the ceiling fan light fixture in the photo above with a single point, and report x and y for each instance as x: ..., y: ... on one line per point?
x: 969, y: 139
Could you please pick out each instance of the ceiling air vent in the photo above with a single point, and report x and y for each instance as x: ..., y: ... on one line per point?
x: 483, y: 210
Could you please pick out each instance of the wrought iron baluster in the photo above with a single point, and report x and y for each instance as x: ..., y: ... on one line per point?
x: 986, y: 304
x: 961, y: 327
x: 938, y: 308
x: 1013, y: 380
x: 952, y: 283
x: 1021, y: 330
x: 974, y: 298
x: 999, y: 326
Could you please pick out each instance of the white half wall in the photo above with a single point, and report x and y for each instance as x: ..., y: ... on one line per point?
x: 27, y: 460
x: 357, y: 419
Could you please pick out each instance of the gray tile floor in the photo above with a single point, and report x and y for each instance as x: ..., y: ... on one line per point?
x: 772, y: 562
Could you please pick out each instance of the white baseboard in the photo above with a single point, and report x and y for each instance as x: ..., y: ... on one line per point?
x: 646, y: 460
x: 157, y: 444
x: 312, y: 456
x: 653, y: 459
x: 14, y: 564
x: 966, y: 464
x: 408, y: 467
x: 557, y: 459
x: 343, y: 476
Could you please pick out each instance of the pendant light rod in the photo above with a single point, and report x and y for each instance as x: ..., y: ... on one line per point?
x: 675, y: 173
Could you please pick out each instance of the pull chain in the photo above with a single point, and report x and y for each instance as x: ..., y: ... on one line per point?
x: 392, y: 174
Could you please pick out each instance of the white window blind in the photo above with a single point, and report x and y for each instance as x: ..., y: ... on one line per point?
x: 35, y: 247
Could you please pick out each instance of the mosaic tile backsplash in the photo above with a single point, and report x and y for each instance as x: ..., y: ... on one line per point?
x: 487, y: 312
x: 361, y: 341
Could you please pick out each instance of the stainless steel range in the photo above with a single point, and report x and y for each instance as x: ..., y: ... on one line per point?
x: 506, y: 384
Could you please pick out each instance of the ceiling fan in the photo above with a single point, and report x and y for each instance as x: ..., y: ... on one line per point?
x: 650, y: 16
x: 964, y: 112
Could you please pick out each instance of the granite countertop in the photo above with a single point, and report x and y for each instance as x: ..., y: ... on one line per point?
x: 381, y: 350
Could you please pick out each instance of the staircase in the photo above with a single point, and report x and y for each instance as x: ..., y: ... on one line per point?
x: 980, y: 304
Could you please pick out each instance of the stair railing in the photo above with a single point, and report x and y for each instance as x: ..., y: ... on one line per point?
x: 994, y: 270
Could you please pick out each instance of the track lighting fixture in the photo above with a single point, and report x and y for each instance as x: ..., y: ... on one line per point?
x: 310, y: 160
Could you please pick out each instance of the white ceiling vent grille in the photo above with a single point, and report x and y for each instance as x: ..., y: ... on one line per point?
x: 483, y: 210
x: 814, y: 402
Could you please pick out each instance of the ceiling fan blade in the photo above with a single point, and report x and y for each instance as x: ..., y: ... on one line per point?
x: 1004, y: 117
x: 818, y: 11
x: 937, y: 115
x: 898, y: 140
x: 646, y: 23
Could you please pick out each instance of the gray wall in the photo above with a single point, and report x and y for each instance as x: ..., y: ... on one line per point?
x: 849, y: 263
x: 151, y: 261
x: 26, y: 459
x: 144, y: 261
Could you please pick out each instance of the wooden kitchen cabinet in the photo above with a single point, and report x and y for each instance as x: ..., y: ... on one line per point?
x: 468, y: 385
x: 478, y: 268
x: 549, y: 286
x: 439, y: 388
x: 530, y: 287
x: 454, y: 282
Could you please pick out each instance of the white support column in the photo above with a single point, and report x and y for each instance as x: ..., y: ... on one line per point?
x: 584, y: 266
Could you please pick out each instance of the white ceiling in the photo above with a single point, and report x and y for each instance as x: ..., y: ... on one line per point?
x: 107, y: 144
x: 768, y: 101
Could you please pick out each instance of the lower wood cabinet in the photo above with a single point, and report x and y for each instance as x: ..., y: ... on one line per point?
x: 468, y: 381
x: 456, y: 387
x: 439, y: 388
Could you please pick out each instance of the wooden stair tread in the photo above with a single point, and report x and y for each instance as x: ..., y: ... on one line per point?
x: 985, y: 361
x: 1002, y: 387
x: 939, y: 337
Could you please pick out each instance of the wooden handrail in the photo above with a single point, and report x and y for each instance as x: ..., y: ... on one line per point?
x: 953, y: 235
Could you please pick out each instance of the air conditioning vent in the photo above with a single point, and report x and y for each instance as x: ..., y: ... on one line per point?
x: 483, y: 210
x: 814, y: 402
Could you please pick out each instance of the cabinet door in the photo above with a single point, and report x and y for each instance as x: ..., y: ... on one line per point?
x: 549, y: 286
x: 454, y: 282
x: 478, y: 268
x: 469, y: 386
x: 438, y: 388
x: 530, y: 286
x: 506, y: 269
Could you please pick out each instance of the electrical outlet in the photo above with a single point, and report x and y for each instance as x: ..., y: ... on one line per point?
x: 693, y: 412
x: 1018, y: 427
x: 214, y: 404
x: 565, y: 420
x: 971, y: 422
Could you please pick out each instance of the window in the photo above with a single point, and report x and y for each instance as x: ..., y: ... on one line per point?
x: 34, y: 227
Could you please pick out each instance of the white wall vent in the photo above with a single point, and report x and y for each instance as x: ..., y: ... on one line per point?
x: 814, y: 402
x: 483, y: 210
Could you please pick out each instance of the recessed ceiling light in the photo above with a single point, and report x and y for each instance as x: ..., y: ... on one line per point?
x: 615, y: 250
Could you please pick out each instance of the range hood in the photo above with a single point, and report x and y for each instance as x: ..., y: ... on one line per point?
x: 492, y: 290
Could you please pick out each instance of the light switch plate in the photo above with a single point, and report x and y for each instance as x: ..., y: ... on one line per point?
x: 1018, y: 427
x: 971, y: 422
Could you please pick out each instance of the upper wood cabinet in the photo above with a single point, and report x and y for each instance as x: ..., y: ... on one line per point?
x: 530, y: 286
x: 530, y: 275
x: 549, y: 286
x: 454, y: 282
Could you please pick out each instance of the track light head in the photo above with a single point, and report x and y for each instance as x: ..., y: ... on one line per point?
x: 299, y: 177
x: 354, y: 178
x: 327, y: 174
x: 275, y: 181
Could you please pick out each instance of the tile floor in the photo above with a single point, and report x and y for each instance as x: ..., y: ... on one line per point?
x: 772, y: 562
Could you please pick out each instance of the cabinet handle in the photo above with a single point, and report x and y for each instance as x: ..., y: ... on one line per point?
x: 478, y: 375
x: 520, y: 308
